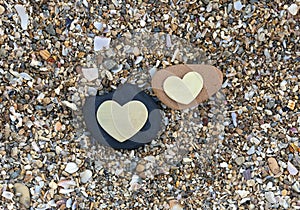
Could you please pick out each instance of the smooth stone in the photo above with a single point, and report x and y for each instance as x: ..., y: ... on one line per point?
x: 251, y: 151
x: 223, y: 165
x: 2, y: 9
x: 101, y: 42
x: 25, y: 194
x: 273, y: 165
x: 270, y: 197
x: 8, y: 195
x: 184, y: 90
x: 122, y: 95
x: 242, y: 193
x: 71, y: 167
x: 98, y: 25
x: 238, y: 5
x: 212, y: 82
x: 122, y: 122
x: 140, y: 168
x: 85, y: 176
x: 292, y: 169
x: 240, y: 160
x: 90, y: 73
x: 293, y: 9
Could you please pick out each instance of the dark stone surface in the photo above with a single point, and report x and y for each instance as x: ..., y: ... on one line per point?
x: 123, y: 95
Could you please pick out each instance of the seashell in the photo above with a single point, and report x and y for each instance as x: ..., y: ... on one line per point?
x: 66, y: 183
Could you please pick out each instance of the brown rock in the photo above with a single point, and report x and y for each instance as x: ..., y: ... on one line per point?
x: 140, y: 168
x: 24, y: 194
x: 273, y: 165
x: 212, y: 82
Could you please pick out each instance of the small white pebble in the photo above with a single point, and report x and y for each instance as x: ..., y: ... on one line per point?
x: 85, y: 176
x: 7, y: 195
x: 142, y: 23
x: 238, y: 5
x: 224, y: 165
x: 71, y: 168
x: 293, y: 9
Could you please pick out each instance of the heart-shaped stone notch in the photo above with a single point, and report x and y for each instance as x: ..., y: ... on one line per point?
x: 182, y: 94
x: 122, y: 122
x: 184, y: 90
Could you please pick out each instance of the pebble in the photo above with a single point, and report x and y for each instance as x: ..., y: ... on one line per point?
x: 109, y: 64
x: 247, y: 174
x: 270, y: 197
x: 23, y: 15
x: 25, y: 194
x: 284, y: 192
x: 242, y: 193
x: 85, y: 176
x: 174, y: 205
x: 296, y: 187
x: 71, y: 167
x: 50, y: 29
x: 251, y: 151
x: 187, y: 160
x: 53, y: 185
x: 292, y: 169
x: 142, y: 23
x: 140, y: 168
x: 234, y: 120
x: 70, y: 105
x: 90, y: 73
x: 293, y: 9
x: 45, y: 54
x: 2, y: 9
x: 224, y: 165
x: 98, y: 25
x: 273, y: 165
x: 8, y: 195
x: 138, y: 60
x: 238, y: 5
x: 101, y: 42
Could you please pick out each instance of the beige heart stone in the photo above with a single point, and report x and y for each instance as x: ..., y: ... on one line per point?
x: 122, y: 122
x: 183, y: 90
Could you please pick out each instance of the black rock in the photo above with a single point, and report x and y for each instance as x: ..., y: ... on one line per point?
x: 123, y: 95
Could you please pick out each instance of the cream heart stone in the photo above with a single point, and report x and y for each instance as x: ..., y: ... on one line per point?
x: 122, y: 122
x: 183, y: 90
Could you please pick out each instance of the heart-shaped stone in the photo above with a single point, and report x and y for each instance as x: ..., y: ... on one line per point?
x: 184, y: 90
x: 212, y: 82
x: 122, y: 122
